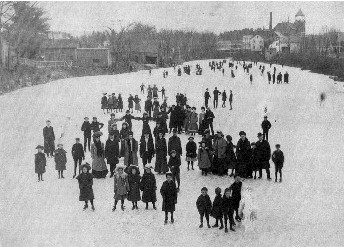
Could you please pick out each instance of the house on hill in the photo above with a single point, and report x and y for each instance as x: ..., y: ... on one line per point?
x: 295, y: 28
x: 256, y: 43
x: 58, y: 50
x: 145, y: 52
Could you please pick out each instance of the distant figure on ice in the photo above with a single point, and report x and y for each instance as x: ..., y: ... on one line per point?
x: 278, y: 160
x: 279, y: 78
x: 137, y: 103
x: 174, y: 165
x: 150, y: 72
x: 169, y: 196
x: 248, y: 210
x: 266, y: 126
x: 104, y: 102
x: 206, y: 97
x: 286, y: 78
x: 110, y: 104
x: 269, y: 77
x: 179, y: 72
x: 273, y: 78
x: 142, y: 88
x: 322, y: 98
x: 86, y: 128
x: 224, y: 96
x: 95, y: 125
x: 78, y: 155
x: 163, y: 92
x: 232, y: 73
x: 216, y: 93
x: 230, y: 99
x: 111, y: 152
x: 209, y: 116
x: 264, y: 156
x: 130, y: 102
x: 223, y: 72
x: 85, y: 180
x: 49, y: 138
x: 204, y: 206
x: 148, y: 106
x: 251, y: 79
x: 40, y: 162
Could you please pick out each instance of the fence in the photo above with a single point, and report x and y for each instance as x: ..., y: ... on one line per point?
x: 45, y: 64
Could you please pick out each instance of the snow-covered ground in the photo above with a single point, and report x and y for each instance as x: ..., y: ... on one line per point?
x: 305, y: 210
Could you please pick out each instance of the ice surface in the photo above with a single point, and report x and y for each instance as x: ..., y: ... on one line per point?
x: 305, y: 210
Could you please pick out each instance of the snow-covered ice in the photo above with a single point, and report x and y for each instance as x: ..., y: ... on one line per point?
x: 305, y: 210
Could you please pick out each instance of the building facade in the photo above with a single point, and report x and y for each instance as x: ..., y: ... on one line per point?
x: 257, y: 43
x: 246, y: 42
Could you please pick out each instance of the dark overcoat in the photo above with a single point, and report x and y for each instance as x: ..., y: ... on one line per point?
x: 204, y: 204
x: 134, y: 187
x: 40, y: 163
x: 264, y: 154
x: 60, y: 159
x: 111, y: 152
x: 85, y: 181
x: 148, y: 187
x: 216, y: 211
x: 161, y: 155
x: 169, y: 194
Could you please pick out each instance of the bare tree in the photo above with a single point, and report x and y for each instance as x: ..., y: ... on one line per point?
x: 6, y: 15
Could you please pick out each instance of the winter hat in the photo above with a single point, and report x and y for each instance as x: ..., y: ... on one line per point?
x: 60, y: 145
x: 218, y: 191
x: 226, y: 190
x: 113, y: 114
x: 229, y: 138
x: 242, y: 133
x: 259, y: 134
x: 77, y: 139
x: 39, y: 147
x: 173, y: 152
x: 174, y: 130
x: 127, y: 111
x: 277, y: 145
x: 113, y: 125
x: 265, y: 116
x: 119, y: 167
x: 97, y: 134
x: 104, y: 93
x: 94, y: 118
x: 86, y: 118
x: 204, y: 189
x: 133, y: 167
x: 87, y: 165
x: 191, y: 137
x: 253, y: 144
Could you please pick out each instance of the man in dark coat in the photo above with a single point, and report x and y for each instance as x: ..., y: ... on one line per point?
x: 230, y: 99
x: 175, y: 144
x: 209, y: 116
x: 216, y: 93
x: 204, y: 206
x: 224, y: 96
x: 274, y: 78
x: 169, y: 195
x: 265, y: 125
x: 278, y: 159
x: 95, y: 125
x: 148, y: 187
x: 86, y: 128
x: 49, y: 138
x: 286, y: 78
x: 147, y: 150
x: 112, y: 153
x: 269, y: 77
x: 180, y: 116
x: 243, y: 154
x: 77, y: 154
x: 172, y: 122
x: 264, y: 156
x: 235, y: 190
x: 207, y: 96
x: 148, y: 106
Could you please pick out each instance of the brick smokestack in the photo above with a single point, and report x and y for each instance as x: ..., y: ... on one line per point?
x: 270, y: 20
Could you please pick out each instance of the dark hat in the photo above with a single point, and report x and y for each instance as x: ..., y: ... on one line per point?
x: 127, y: 111
x: 113, y: 114
x: 193, y: 108
x: 168, y: 174
x: 87, y: 165
x: 207, y: 131
x: 191, y: 137
x: 86, y: 117
x: 77, y: 139
x: 228, y: 137
x: 242, y: 133
x: 252, y: 144
x: 226, y: 190
x: 174, y: 130
x: 39, y: 147
x: 104, y: 93
x: 259, y: 134
x: 130, y: 133
x: 265, y: 116
x: 125, y: 123
x: 94, y: 118
x: 277, y: 145
x: 173, y: 151
x: 113, y: 93
x: 204, y: 189
x: 97, y: 134
x: 218, y: 190
x: 133, y: 167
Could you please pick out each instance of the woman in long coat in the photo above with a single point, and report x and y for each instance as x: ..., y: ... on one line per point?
x: 85, y: 180
x: 40, y: 162
x: 137, y: 103
x: 146, y: 127
x: 202, y: 124
x: 148, y: 187
x: 231, y: 160
x: 123, y: 136
x: 204, y: 162
x: 120, y: 103
x: 133, y: 151
x: 162, y: 119
x: 115, y: 103
x: 155, y: 108
x: 161, y: 165
x: 169, y: 194
x: 99, y: 168
x: 60, y: 160
x: 112, y: 153
x: 172, y: 122
x: 186, y: 120
x: 134, y: 187
x: 193, y: 122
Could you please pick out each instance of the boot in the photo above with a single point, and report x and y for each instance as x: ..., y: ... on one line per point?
x: 147, y: 206
x: 280, y: 180
x: 85, y: 207
x: 238, y: 219
x: 232, y: 229
x: 221, y: 227
x: 114, y: 208
x: 122, y: 207
x: 136, y: 207
x: 208, y: 225
x: 133, y: 207
x: 165, y: 221
x: 154, y: 207
x: 172, y: 220
x: 74, y: 176
x: 215, y: 225
x: 226, y: 229
x: 201, y: 225
x: 275, y: 180
x: 93, y: 208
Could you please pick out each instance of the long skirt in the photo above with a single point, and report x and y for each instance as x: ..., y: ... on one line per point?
x: 137, y: 107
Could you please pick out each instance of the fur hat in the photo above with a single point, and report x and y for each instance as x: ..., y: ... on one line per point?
x: 277, y: 145
x: 218, y: 190
x: 229, y: 138
x: 120, y: 167
x: 242, y: 133
x: 87, y: 165
x: 260, y: 134
x: 133, y: 167
x: 253, y: 144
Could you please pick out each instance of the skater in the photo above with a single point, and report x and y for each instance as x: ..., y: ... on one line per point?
x: 130, y: 103
x: 137, y: 103
x: 146, y: 127
x: 231, y: 161
x: 322, y: 98
x: 121, y: 186
x: 204, y: 162
x: 142, y: 88
x: 162, y: 119
x: 193, y: 122
x: 235, y: 191
x: 155, y: 91
x: 161, y: 165
x: 110, y: 103
x: 266, y: 126
x: 60, y: 160
x: 248, y: 210
x: 264, y: 156
x: 216, y: 211
x: 95, y: 125
x: 191, y: 155
x: 104, y: 103
x: 115, y: 103
x: 251, y: 79
x: 173, y: 117
x: 254, y: 161
x: 224, y: 98
x: 175, y: 144
x: 230, y: 99
x: 219, y: 149
x: 279, y: 78
x: 243, y: 154
x: 274, y: 77
x: 114, y: 132
x: 120, y: 103
x: 131, y: 151
x: 157, y: 130
x: 286, y: 78
x: 124, y: 132
x: 134, y: 186
x: 216, y: 93
x: 174, y: 165
x: 148, y: 106
x: 209, y: 116
x: 269, y: 77
x: 207, y: 96
x: 155, y: 107
x: 169, y: 195
x: 128, y: 119
x: 111, y: 121
x: 111, y: 153
x: 49, y: 138
x: 86, y: 128
x: 204, y: 206
x: 148, y: 187
x: 147, y: 150
x: 85, y: 180
x: 99, y: 168
x: 163, y: 92
x: 78, y: 155
x: 278, y: 160
x: 202, y: 125
x: 228, y: 211
x: 40, y: 162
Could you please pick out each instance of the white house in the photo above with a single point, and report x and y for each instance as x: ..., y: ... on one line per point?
x: 286, y: 43
x: 246, y: 42
x: 257, y: 43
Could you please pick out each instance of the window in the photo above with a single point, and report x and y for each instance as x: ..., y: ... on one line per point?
x: 95, y: 60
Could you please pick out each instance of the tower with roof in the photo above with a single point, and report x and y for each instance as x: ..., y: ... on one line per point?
x: 300, y: 22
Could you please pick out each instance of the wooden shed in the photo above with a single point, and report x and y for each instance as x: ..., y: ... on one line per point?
x: 93, y: 57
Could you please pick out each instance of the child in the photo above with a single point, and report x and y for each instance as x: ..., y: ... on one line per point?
x: 278, y: 160
x: 134, y: 186
x: 191, y: 155
x: 60, y: 160
x: 148, y: 187
x: 216, y: 211
x: 78, y: 155
x: 169, y: 194
x: 174, y: 165
x: 254, y: 159
x: 204, y: 162
x: 228, y: 210
x: 235, y: 190
x: 85, y: 180
x: 204, y: 206
x: 40, y: 162
x: 121, y: 186
x: 248, y: 210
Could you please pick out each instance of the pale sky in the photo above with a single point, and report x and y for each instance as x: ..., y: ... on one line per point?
x: 79, y: 17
